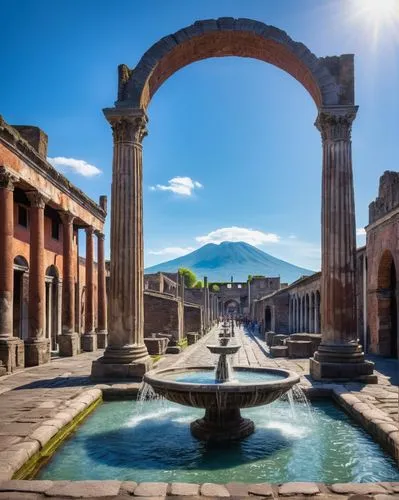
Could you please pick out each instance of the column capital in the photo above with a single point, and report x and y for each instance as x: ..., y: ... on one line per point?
x: 99, y: 234
x: 335, y: 122
x: 128, y: 125
x: 89, y: 230
x: 7, y: 179
x: 37, y: 199
x: 67, y: 217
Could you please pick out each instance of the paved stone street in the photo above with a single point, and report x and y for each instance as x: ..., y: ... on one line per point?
x: 36, y: 403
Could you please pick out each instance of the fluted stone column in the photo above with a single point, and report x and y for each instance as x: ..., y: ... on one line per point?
x: 126, y: 355
x: 89, y: 338
x: 339, y: 354
x: 7, y: 340
x: 102, y: 333
x: 69, y: 340
x: 37, y: 346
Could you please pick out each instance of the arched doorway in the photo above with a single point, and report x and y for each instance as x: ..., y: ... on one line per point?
x: 268, y: 319
x: 387, y: 307
x: 330, y: 82
x: 21, y: 298
x: 232, y: 308
x: 53, y: 306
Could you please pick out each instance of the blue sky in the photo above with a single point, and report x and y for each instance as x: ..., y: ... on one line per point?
x: 238, y: 131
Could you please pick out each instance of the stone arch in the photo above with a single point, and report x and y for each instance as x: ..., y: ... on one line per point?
x: 21, y: 297
x: 231, y: 304
x: 52, y: 272
x: 329, y: 80
x: 20, y: 263
x: 387, y: 306
x: 268, y: 318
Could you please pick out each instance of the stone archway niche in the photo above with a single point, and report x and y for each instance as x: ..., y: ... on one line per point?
x: 330, y: 82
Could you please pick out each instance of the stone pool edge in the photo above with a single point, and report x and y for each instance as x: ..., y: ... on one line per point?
x: 19, y: 459
x: 121, y: 489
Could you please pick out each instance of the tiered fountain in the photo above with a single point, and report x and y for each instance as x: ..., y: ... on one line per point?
x: 223, y: 394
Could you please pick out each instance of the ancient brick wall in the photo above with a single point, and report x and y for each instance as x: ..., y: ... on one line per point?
x: 192, y: 319
x: 162, y: 314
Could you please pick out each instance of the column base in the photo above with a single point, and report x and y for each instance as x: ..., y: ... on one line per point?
x: 102, y: 339
x: 341, y: 362
x: 89, y: 342
x: 37, y: 352
x: 12, y: 353
x: 127, y: 362
x: 69, y: 344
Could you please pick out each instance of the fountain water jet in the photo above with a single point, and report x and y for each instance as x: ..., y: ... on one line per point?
x: 222, y: 398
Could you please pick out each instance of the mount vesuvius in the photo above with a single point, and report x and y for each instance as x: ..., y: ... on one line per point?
x: 237, y: 259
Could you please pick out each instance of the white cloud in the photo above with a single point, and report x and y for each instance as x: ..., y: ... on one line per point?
x: 360, y: 231
x: 183, y: 186
x: 80, y: 167
x: 172, y: 251
x: 234, y: 233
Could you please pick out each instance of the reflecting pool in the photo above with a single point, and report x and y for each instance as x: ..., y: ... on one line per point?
x: 151, y: 441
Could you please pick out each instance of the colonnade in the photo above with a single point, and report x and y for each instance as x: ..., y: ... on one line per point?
x: 304, y: 313
x: 37, y: 346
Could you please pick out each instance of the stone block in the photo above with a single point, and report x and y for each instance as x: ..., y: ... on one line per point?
x: 37, y: 352
x: 192, y: 337
x: 156, y: 346
x: 29, y: 486
x: 260, y: 489
x: 89, y: 342
x: 108, y: 371
x: 12, y: 353
x: 69, y: 344
x: 214, y: 490
x: 278, y: 339
x: 357, y: 488
x: 298, y: 488
x: 362, y: 371
x: 237, y: 489
x: 151, y: 490
x: 279, y: 351
x: 128, y: 487
x: 102, y: 339
x: 184, y: 489
x: 84, y: 489
x: 299, y: 348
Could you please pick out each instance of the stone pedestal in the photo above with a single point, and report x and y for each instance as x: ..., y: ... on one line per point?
x: 89, y: 342
x: 12, y: 354
x: 112, y: 366
x: 69, y: 344
x: 102, y: 339
x: 37, y: 352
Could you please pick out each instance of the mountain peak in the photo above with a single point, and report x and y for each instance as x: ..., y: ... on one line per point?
x: 232, y: 258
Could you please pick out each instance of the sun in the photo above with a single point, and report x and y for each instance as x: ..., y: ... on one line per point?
x: 379, y: 17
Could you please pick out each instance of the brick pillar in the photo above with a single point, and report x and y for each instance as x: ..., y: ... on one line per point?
x: 205, y: 298
x: 339, y: 354
x: 37, y: 346
x: 102, y: 334
x: 69, y: 340
x: 8, y: 343
x: 126, y: 355
x: 89, y: 338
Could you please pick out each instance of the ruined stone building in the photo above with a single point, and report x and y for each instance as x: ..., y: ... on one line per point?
x: 50, y: 297
x: 296, y: 308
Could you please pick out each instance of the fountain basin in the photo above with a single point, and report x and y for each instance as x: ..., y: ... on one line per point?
x: 222, y: 420
x: 226, y: 350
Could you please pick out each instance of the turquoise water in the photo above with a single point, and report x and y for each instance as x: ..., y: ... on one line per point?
x: 124, y: 441
x: 208, y: 377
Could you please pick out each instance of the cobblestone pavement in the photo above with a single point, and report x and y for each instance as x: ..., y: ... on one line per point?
x: 35, y: 403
